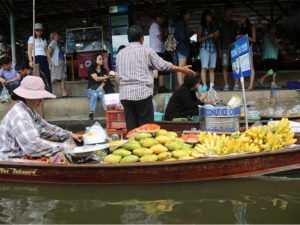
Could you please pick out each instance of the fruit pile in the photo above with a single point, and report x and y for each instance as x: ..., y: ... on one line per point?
x: 148, y: 147
x: 163, y: 145
x: 256, y: 139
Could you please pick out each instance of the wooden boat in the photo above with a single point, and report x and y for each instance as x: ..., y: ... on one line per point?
x: 232, y: 166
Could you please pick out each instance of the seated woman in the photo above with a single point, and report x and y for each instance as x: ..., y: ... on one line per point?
x: 98, y: 84
x: 23, y: 132
x: 184, y: 102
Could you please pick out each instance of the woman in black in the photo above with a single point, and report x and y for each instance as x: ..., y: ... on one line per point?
x: 246, y: 28
x: 98, y: 84
x: 184, y: 102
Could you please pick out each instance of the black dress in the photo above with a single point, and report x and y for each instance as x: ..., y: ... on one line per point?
x: 183, y: 103
x: 93, y: 85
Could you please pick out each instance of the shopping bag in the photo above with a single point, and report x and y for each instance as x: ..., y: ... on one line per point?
x: 4, y: 97
x: 212, y: 97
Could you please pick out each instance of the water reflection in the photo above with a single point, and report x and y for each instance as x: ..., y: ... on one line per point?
x: 245, y: 201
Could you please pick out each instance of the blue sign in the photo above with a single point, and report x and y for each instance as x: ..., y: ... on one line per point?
x: 240, y: 58
x: 220, y: 112
x: 118, y: 9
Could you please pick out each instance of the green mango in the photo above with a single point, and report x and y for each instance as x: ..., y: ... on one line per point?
x: 179, y: 153
x: 172, y: 134
x: 131, y: 146
x: 122, y: 152
x: 164, y: 155
x: 187, y: 150
x: 140, y: 136
x: 112, y: 159
x: 173, y: 145
x: 142, y: 151
x: 130, y: 159
x: 161, y: 132
x: 157, y: 149
x: 149, y: 158
x: 148, y: 142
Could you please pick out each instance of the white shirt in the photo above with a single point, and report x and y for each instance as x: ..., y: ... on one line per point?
x: 55, y: 55
x: 156, y: 44
x: 40, y: 46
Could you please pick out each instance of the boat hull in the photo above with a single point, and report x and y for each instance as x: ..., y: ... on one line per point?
x: 227, y: 167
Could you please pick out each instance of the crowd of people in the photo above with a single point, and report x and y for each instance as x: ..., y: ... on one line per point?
x: 23, y: 131
x: 214, y: 39
x: 49, y: 61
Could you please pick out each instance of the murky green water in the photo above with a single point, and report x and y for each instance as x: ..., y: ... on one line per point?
x: 248, y: 201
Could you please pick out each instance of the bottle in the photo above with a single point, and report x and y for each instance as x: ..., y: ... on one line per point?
x: 167, y: 98
x: 273, y: 98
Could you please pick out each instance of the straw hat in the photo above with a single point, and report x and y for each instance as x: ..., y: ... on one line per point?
x: 33, y: 87
x: 38, y: 26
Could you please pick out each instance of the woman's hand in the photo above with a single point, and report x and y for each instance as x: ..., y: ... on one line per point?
x: 104, y: 78
x: 31, y: 64
x: 188, y: 71
x: 77, y: 137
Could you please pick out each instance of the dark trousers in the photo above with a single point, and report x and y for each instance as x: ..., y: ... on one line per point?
x: 138, y: 113
x: 44, y: 71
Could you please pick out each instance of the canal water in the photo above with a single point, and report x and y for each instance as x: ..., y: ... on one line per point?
x: 244, y: 201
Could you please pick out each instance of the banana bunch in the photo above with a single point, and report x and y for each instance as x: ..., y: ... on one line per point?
x: 210, y: 143
x: 272, y: 142
x: 283, y: 129
x: 256, y: 139
x: 239, y: 143
x: 257, y: 134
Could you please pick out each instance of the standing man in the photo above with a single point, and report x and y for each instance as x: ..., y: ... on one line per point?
x: 157, y: 43
x: 228, y: 29
x: 134, y: 67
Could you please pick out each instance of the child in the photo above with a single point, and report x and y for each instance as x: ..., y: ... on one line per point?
x: 8, y: 76
x: 22, y: 70
x: 58, y: 66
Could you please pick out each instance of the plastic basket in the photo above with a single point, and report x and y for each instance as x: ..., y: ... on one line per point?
x: 115, y: 122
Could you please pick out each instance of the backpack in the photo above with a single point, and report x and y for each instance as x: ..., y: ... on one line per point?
x: 171, y: 43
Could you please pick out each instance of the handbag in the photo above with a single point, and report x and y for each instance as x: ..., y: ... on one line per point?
x: 171, y: 43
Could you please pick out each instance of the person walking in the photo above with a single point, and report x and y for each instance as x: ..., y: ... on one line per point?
x: 42, y: 56
x: 228, y: 32
x: 246, y: 28
x: 157, y: 39
x: 208, y: 36
x: 270, y: 55
x: 58, y: 65
x: 134, y: 67
x: 182, y: 36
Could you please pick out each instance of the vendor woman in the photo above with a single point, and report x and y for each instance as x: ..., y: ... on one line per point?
x: 184, y: 102
x: 23, y: 132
